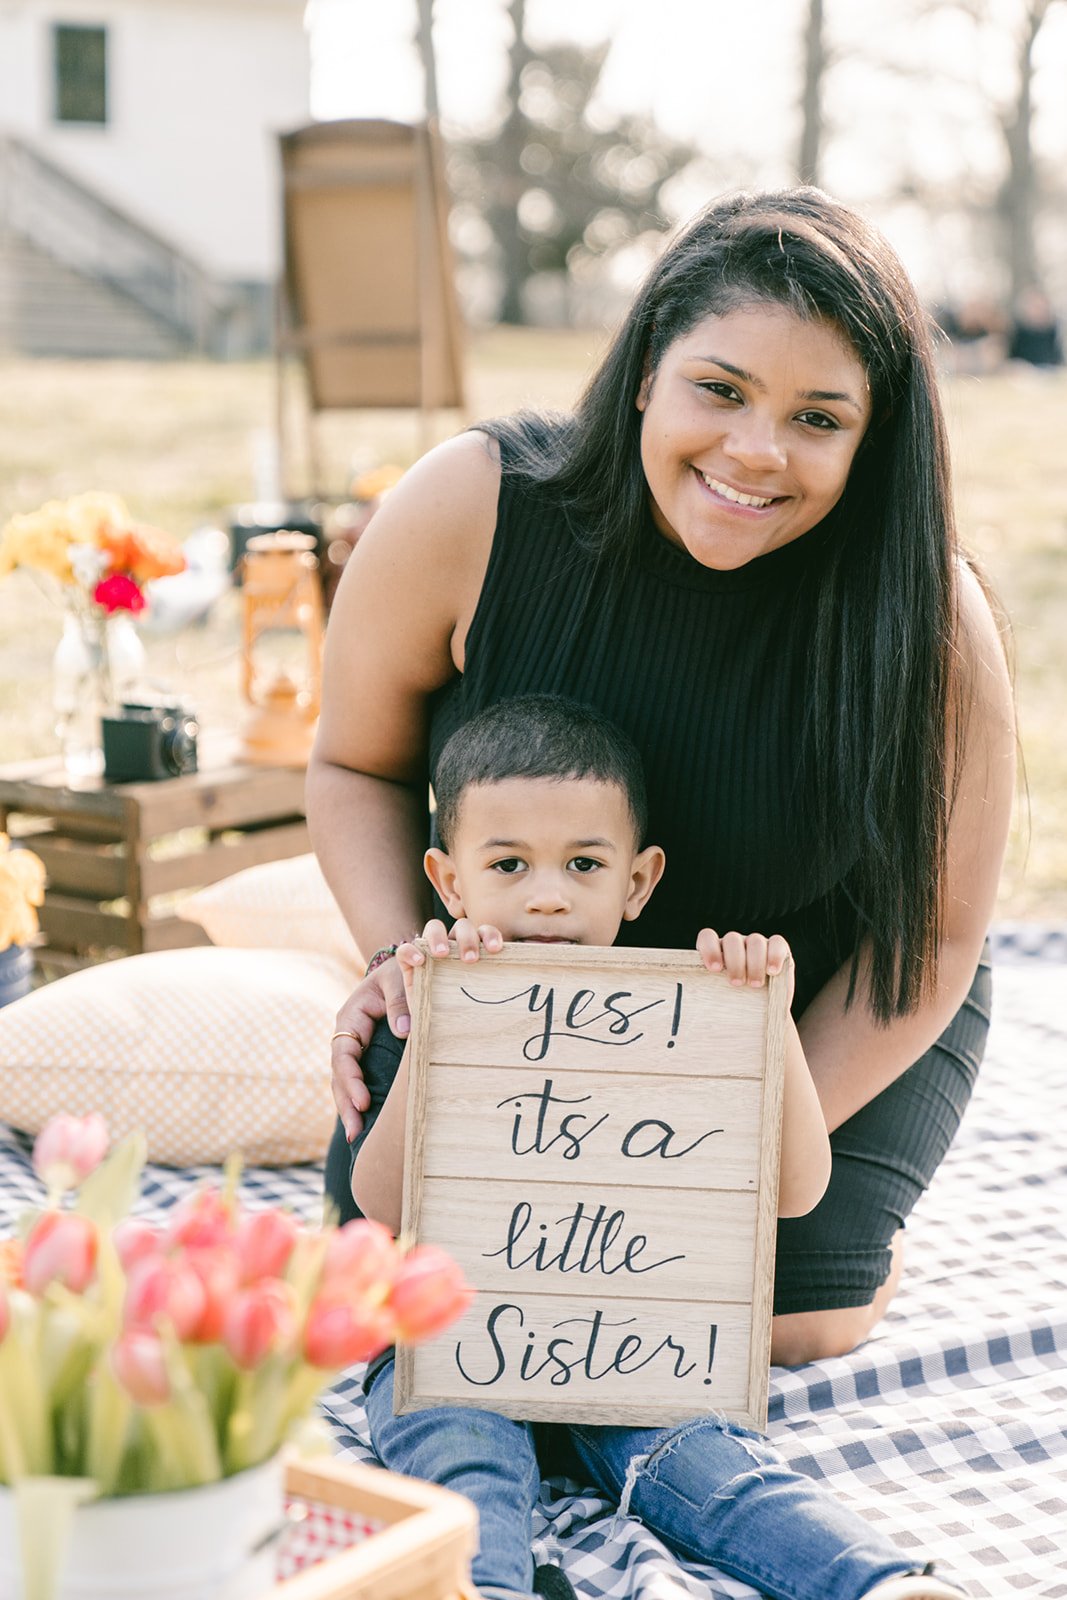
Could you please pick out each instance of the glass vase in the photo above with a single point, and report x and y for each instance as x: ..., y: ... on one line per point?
x: 98, y: 661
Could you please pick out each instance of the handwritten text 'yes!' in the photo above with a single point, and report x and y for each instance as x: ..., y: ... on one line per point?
x: 610, y: 1020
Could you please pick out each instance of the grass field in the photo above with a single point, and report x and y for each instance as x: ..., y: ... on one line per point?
x: 177, y: 440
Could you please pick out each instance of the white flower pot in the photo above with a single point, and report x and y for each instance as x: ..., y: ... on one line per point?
x: 194, y: 1544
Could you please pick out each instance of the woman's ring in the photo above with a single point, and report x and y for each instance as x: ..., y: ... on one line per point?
x: 346, y: 1033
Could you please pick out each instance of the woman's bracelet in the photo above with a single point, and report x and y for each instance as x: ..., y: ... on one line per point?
x: 380, y: 957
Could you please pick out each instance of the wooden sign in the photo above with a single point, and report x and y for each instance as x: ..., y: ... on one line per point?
x: 594, y: 1135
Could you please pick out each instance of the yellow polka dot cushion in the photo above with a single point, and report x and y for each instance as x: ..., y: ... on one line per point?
x: 280, y: 904
x: 208, y: 1051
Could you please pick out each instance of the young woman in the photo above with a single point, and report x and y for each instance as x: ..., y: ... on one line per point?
x: 740, y: 548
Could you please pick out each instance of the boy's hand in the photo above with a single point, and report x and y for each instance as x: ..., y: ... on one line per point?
x: 746, y: 957
x: 470, y: 941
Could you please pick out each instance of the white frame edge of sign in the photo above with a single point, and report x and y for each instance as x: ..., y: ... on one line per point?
x: 411, y: 1392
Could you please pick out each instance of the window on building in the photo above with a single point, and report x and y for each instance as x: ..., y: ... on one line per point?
x: 81, y: 74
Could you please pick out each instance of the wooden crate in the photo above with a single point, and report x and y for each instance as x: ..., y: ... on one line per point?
x: 420, y: 1550
x: 119, y: 856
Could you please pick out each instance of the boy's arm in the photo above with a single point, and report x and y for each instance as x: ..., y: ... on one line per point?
x: 378, y: 1169
x: 805, y: 1161
x: 748, y: 959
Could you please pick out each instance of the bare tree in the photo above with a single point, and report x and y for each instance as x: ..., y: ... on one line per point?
x: 503, y: 212
x: 1019, y: 199
x: 424, y: 39
x: 816, y: 58
x: 560, y: 188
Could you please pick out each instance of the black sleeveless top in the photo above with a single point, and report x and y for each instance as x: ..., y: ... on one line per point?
x: 706, y: 672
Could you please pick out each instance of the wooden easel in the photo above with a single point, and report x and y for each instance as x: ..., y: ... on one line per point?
x: 367, y: 299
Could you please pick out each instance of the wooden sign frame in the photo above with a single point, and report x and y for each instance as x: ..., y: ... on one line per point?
x: 594, y: 1134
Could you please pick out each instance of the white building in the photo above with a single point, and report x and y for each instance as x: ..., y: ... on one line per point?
x: 134, y: 128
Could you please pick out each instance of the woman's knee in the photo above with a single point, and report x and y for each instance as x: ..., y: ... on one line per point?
x: 802, y: 1336
x: 816, y: 1335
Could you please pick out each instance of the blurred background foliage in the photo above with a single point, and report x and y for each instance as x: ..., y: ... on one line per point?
x: 942, y: 117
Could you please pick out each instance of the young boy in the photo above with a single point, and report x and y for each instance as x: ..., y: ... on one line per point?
x: 541, y: 815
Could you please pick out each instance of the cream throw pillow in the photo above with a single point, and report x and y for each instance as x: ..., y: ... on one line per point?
x: 281, y: 904
x: 208, y: 1051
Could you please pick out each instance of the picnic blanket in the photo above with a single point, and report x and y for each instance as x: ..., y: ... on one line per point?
x: 948, y: 1428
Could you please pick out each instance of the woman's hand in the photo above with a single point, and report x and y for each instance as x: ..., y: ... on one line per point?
x: 469, y: 940
x: 380, y: 994
x: 746, y: 958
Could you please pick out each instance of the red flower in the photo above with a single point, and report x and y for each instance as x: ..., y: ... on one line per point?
x: 68, y: 1149
x: 61, y: 1248
x: 139, y: 1363
x: 119, y: 593
x: 158, y: 1289
x: 264, y: 1242
x: 340, y: 1331
x: 202, y: 1221
x: 216, y: 1267
x: 136, y: 1240
x: 362, y: 1259
x: 429, y: 1293
x: 259, y: 1321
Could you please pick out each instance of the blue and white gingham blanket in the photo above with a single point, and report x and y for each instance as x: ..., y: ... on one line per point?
x: 949, y: 1427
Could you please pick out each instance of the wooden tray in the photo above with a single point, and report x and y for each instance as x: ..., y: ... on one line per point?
x: 420, y: 1547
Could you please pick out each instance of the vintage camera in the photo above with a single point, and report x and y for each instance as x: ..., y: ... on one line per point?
x: 144, y: 743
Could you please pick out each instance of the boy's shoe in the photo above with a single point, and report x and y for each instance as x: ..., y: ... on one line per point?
x: 915, y: 1586
x: 552, y: 1583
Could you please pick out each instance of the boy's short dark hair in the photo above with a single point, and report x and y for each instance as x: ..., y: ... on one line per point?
x: 537, y: 736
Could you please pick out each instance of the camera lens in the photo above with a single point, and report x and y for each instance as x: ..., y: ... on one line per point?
x: 178, y: 744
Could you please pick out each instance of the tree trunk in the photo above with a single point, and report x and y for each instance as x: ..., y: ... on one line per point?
x: 1018, y: 197
x: 510, y: 179
x: 429, y: 60
x: 811, y: 108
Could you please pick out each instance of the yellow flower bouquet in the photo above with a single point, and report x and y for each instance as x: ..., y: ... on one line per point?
x: 21, y: 892
x: 99, y: 558
x: 91, y: 543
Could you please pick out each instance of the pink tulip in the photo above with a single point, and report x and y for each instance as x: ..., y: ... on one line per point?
x: 138, y: 1363
x: 339, y: 1331
x: 259, y: 1321
x: 61, y: 1248
x: 429, y: 1293
x: 69, y: 1148
x: 264, y: 1243
x: 219, y: 1276
x: 136, y: 1240
x: 201, y: 1222
x: 5, y: 1313
x: 164, y: 1289
x: 362, y: 1260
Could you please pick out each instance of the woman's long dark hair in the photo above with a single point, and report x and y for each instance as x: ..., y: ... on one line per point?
x: 884, y: 690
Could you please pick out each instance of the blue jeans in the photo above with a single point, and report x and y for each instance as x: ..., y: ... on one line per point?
x: 711, y: 1491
